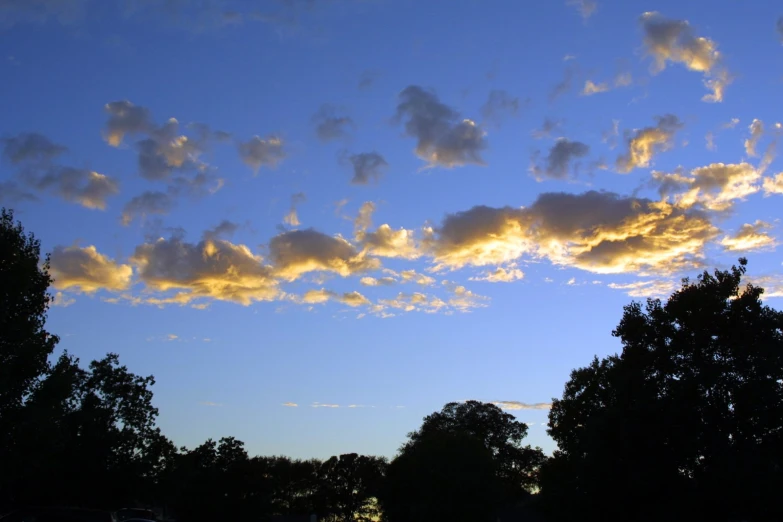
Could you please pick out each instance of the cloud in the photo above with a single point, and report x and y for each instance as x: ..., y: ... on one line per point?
x: 62, y: 300
x: 563, y: 86
x: 750, y: 237
x: 126, y: 118
x: 222, y: 230
x: 352, y: 299
x: 443, y: 139
x: 329, y: 125
x: 377, y: 281
x: 623, y: 79
x: 674, y: 41
x: 498, y: 103
x: 367, y: 166
x: 647, y: 288
x: 730, y: 124
x: 321, y: 405
x: 31, y: 148
x: 145, y: 204
x: 773, y: 185
x: 212, y: 268
x: 779, y: 26
x: 363, y: 219
x: 559, y: 160
x: 290, y: 405
x: 33, y: 154
x: 647, y: 142
x: 756, y: 132
x: 211, y: 404
x: 715, y: 187
x: 547, y: 128
x: 388, y: 242
x: 516, y: 405
x: 87, y: 270
x: 411, y: 276
x: 500, y: 275
x: 262, y: 152
x: 292, y: 218
x: 297, y: 252
x: 82, y: 186
x: 591, y: 88
x: 600, y: 232
x: 11, y: 191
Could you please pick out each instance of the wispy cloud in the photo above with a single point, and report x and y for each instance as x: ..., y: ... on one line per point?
x: 290, y: 405
x: 516, y: 405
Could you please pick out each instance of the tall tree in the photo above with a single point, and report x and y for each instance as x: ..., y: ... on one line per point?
x: 349, y: 486
x: 500, y: 432
x: 25, y: 345
x: 690, y: 413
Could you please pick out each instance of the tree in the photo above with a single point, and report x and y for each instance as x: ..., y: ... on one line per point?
x: 66, y: 434
x: 691, y: 411
x: 25, y: 345
x: 499, y: 432
x: 349, y: 486
x: 443, y: 476
x: 467, y: 459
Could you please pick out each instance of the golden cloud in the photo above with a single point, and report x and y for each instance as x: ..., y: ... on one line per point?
x: 87, y: 270
x: 298, y: 252
x: 500, y: 275
x: 212, y: 268
x: 715, y: 186
x: 596, y: 231
x: 516, y: 405
x: 352, y: 299
x: 647, y: 288
x: 750, y: 237
x: 673, y: 41
x: 647, y: 142
x: 773, y: 185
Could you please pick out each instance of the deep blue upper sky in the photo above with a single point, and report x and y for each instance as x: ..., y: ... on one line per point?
x: 380, y: 205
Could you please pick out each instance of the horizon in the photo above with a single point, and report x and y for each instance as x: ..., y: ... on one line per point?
x: 317, y: 223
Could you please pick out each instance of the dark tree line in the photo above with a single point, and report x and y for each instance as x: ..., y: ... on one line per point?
x: 686, y: 423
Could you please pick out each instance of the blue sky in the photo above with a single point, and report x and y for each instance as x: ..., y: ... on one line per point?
x: 377, y: 204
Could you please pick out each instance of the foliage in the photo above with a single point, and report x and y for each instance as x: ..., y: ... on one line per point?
x: 689, y: 414
x: 349, y: 486
x: 443, y: 476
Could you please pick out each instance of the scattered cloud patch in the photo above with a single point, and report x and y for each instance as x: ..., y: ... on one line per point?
x: 86, y: 270
x: 647, y: 288
x: 290, y: 405
x: 645, y: 143
x: 750, y: 237
x: 292, y: 218
x: 560, y: 158
x: 714, y: 187
x: 145, y: 204
x: 591, y: 88
x: 367, y: 167
x: 500, y: 275
x: 516, y: 405
x: 330, y: 124
x: 442, y: 138
x: 498, y: 104
x: 667, y: 40
x: 260, y: 152
x: 212, y: 268
x: 298, y: 252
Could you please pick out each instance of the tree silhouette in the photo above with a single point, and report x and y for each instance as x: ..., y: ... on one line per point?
x: 517, y: 466
x: 466, y: 460
x: 443, y: 476
x: 349, y: 486
x: 687, y: 421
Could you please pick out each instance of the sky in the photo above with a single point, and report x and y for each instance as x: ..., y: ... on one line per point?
x: 317, y: 221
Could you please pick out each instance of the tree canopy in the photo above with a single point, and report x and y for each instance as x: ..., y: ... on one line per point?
x: 690, y: 413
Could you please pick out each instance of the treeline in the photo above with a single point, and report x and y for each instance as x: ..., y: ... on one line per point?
x: 686, y: 423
